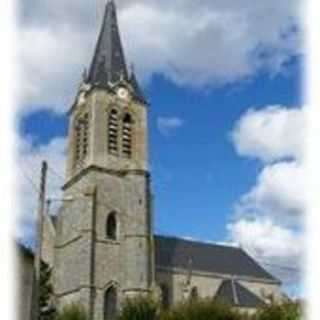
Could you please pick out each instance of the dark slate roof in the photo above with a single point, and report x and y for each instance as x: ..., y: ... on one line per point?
x: 108, y: 64
x: 233, y: 293
x: 136, y: 88
x: 177, y: 253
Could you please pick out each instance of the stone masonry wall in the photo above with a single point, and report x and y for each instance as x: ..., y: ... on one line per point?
x: 123, y: 262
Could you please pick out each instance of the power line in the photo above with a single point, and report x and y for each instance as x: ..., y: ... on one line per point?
x: 279, y: 266
x: 29, y: 180
x: 56, y: 173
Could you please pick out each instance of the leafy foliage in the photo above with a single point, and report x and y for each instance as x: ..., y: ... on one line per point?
x: 139, y: 308
x: 205, y: 309
x: 72, y: 312
x: 201, y: 310
x: 45, y: 293
x: 285, y: 311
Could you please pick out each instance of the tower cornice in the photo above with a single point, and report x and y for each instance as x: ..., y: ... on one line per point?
x: 86, y: 89
x: 94, y: 168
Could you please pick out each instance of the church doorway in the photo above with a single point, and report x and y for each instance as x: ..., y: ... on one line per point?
x: 194, y: 294
x: 165, y: 296
x: 110, y: 304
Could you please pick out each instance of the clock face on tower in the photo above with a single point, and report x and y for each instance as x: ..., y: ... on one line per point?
x: 122, y: 93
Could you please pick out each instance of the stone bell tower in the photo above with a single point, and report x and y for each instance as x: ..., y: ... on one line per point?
x: 103, y: 250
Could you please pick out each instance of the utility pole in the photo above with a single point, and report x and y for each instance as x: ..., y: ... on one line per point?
x: 93, y: 195
x: 38, y: 252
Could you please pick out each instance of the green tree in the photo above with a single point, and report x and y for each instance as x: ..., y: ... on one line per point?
x: 139, y: 308
x: 72, y: 312
x: 202, y: 309
x: 285, y: 311
x: 45, y: 293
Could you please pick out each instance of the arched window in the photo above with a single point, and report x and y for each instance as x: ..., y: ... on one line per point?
x: 82, y: 138
x: 127, y: 136
x: 113, y: 132
x: 111, y: 226
x: 194, y: 293
x: 110, y: 304
x: 165, y: 298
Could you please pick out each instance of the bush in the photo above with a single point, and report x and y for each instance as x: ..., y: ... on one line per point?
x: 285, y: 311
x: 139, y: 308
x: 72, y: 312
x: 47, y: 311
x: 202, y: 310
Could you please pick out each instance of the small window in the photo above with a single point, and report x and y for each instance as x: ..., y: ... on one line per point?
x: 110, y: 304
x: 127, y: 136
x: 111, y: 227
x: 113, y: 132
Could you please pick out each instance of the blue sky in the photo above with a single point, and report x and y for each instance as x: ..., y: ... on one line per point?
x: 226, y: 119
x: 196, y: 173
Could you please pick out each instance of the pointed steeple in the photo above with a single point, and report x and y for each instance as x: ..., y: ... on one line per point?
x: 108, y: 64
x: 136, y: 87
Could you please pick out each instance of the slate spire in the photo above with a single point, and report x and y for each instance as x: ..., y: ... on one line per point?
x: 108, y: 64
x: 136, y: 87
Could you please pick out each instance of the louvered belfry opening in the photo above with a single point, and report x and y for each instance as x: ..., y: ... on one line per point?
x: 85, y: 135
x: 78, y: 141
x: 113, y: 132
x: 82, y: 138
x: 127, y: 136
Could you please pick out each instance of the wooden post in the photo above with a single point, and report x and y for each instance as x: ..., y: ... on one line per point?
x: 38, y: 252
x: 93, y: 194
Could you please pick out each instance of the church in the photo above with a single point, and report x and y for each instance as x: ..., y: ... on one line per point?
x: 101, y: 245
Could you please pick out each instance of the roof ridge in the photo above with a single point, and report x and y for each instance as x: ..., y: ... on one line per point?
x: 214, y: 244
x: 234, y: 292
x: 238, y: 295
x: 259, y: 265
x: 247, y: 291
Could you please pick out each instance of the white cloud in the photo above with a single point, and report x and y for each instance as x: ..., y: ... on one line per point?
x: 168, y: 124
x: 30, y: 158
x: 210, y: 44
x: 278, y: 248
x: 270, y: 134
x: 267, y: 219
x: 50, y: 70
x: 279, y: 192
